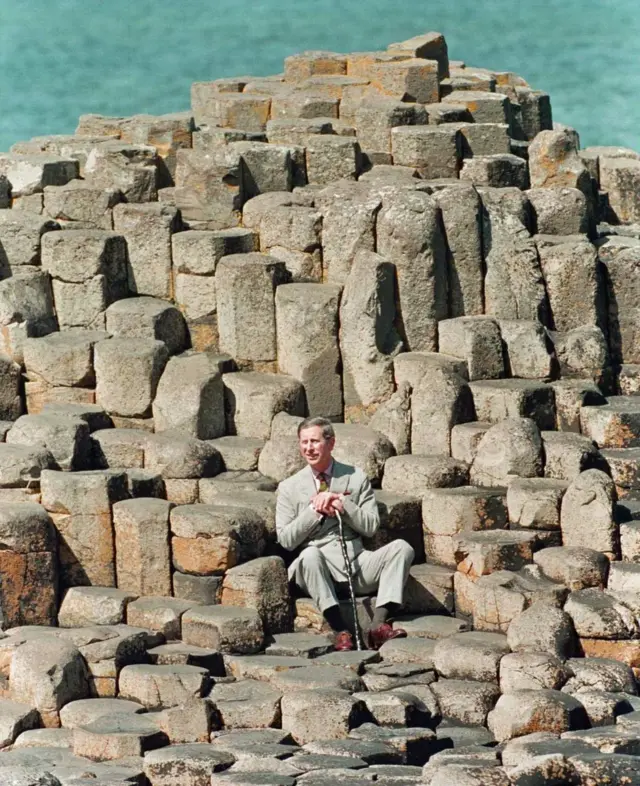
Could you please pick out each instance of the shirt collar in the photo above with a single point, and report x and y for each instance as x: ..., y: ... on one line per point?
x: 328, y: 473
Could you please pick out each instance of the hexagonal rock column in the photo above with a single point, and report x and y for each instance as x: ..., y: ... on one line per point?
x: 67, y: 438
x: 590, y: 498
x: 512, y: 447
x: 526, y: 712
x: 409, y: 236
x: 439, y: 401
x: 89, y: 272
x: 143, y: 562
x: 223, y: 628
x: 48, y: 677
x: 476, y: 340
x: 368, y: 338
x: 80, y: 506
x: 252, y: 399
x: 245, y: 287
x: 188, y: 764
x: 307, y: 341
x: 85, y: 606
x: 448, y: 512
x: 261, y: 584
x: 498, y: 399
x: 148, y: 229
x: 127, y: 374
x: 413, y: 474
x: 190, y: 397
x: 207, y: 540
x: 28, y: 565
x: 26, y: 309
x: 148, y: 317
x: 615, y: 424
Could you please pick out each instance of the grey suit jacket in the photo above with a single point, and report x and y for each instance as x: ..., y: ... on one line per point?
x: 298, y: 524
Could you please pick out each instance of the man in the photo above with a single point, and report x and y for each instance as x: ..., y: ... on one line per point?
x: 306, y: 516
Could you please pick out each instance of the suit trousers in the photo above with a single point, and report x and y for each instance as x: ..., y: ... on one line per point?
x: 384, y: 570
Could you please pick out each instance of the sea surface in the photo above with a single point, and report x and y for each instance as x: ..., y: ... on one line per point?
x: 63, y: 58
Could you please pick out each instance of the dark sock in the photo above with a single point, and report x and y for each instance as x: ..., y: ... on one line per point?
x: 333, y: 616
x: 382, y: 613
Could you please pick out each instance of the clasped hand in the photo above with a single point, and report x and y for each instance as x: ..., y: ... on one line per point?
x: 327, y: 503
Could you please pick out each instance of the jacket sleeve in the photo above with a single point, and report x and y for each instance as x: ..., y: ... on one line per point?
x: 292, y: 529
x: 362, y: 516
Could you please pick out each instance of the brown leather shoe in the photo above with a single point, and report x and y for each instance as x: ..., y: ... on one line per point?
x: 343, y: 641
x: 384, y: 632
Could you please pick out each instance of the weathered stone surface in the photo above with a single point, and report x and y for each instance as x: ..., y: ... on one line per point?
x: 567, y: 455
x: 190, y: 764
x: 66, y: 438
x: 465, y: 701
x: 261, y: 584
x: 554, y: 161
x: 393, y: 419
x: 20, y: 238
x: 156, y: 687
x: 15, y: 719
x: 476, y: 340
x: 48, y: 677
x: 252, y: 399
x: 127, y: 374
x: 602, y: 615
x: 368, y: 339
x: 590, y: 497
x: 534, y: 503
x: 613, y: 425
x: 210, y: 539
x: 225, y: 628
x: 498, y: 399
x: 448, y: 512
x: 573, y: 284
x: 542, y: 628
x: 514, y: 287
x: 307, y: 340
x: 604, y: 674
x: 246, y: 704
x: 472, y: 656
x: 577, y: 567
x: 141, y: 529
x: 512, y: 447
x: 413, y: 473
x: 63, y: 358
x: 80, y: 504
x: 619, y: 177
x: 320, y: 714
x: 531, y: 671
x: 117, y: 737
x: 86, y: 606
x: 525, y: 712
x: 409, y: 236
x: 245, y: 285
x: 438, y: 403
x: 190, y: 397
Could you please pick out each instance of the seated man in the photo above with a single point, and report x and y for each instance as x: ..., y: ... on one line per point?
x: 306, y: 516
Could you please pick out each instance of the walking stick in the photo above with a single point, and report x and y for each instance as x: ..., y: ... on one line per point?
x: 352, y: 592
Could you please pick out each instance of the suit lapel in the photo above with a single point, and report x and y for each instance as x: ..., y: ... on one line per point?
x: 340, y: 478
x: 308, y: 486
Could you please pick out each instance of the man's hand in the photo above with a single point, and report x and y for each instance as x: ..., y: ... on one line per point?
x: 327, y: 503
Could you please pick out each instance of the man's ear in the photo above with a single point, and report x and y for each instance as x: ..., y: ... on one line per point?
x: 332, y: 443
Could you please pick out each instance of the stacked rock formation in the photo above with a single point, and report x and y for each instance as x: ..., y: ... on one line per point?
x: 406, y: 245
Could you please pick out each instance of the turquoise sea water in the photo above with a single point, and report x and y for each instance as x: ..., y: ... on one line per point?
x: 63, y: 58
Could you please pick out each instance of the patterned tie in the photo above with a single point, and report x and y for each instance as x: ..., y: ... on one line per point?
x: 322, y: 482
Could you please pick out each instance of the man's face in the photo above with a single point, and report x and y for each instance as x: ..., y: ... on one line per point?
x: 315, y: 449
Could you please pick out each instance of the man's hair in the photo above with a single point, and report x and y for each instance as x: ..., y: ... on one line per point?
x: 328, y: 431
